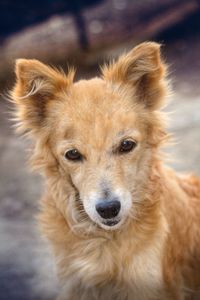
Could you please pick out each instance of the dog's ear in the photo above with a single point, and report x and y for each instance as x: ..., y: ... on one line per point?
x: 37, y: 87
x: 143, y: 70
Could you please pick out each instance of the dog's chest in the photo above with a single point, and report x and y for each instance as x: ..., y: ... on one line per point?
x: 108, y: 274
x: 142, y: 276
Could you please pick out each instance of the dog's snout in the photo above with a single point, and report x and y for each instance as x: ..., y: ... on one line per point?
x: 108, y: 209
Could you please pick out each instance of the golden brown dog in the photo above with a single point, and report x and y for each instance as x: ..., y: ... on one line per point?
x: 121, y: 224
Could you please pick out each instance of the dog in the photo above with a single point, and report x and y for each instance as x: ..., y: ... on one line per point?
x: 121, y: 224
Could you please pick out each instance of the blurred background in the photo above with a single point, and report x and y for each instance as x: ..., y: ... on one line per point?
x: 83, y: 34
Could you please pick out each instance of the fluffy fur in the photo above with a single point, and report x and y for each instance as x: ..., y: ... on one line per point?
x: 153, y: 253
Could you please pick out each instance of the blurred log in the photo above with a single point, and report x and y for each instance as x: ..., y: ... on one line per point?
x: 14, y: 15
x: 92, y: 33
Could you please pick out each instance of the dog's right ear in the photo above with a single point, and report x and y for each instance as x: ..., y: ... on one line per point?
x: 37, y: 87
x: 143, y: 70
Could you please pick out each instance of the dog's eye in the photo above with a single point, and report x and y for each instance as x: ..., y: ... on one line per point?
x: 73, y: 154
x: 127, y: 146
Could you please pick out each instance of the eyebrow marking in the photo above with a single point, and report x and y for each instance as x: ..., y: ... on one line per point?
x: 120, y: 133
x: 69, y: 132
x: 125, y: 132
x: 128, y: 132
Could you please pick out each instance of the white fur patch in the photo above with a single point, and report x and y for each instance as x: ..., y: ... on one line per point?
x: 123, y: 196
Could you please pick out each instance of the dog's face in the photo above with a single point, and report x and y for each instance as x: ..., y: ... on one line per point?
x: 98, y: 135
x: 99, y: 142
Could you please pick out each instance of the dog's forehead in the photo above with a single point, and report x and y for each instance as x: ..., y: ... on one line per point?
x: 98, y: 96
x: 96, y: 108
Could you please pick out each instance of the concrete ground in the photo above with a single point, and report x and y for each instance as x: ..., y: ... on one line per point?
x: 26, y: 266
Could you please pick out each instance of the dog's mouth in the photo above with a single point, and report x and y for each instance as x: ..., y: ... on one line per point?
x: 111, y: 223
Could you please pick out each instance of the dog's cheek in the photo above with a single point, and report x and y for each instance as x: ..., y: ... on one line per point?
x: 143, y: 171
x: 130, y: 168
x: 136, y: 171
x: 78, y: 176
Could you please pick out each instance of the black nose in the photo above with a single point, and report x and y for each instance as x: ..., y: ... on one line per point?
x: 108, y: 209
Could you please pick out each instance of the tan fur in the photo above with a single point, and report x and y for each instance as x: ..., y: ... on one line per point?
x: 154, y: 253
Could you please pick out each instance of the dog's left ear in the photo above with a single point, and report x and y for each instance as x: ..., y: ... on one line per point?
x: 143, y: 70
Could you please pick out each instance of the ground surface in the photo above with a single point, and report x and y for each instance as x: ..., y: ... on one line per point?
x: 26, y: 268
